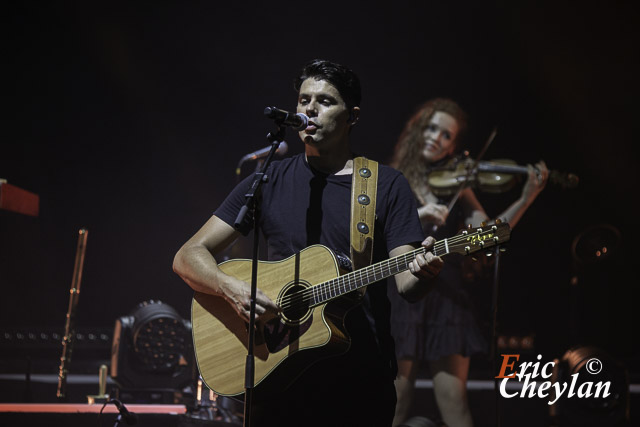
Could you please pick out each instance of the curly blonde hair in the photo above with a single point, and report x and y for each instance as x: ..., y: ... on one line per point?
x: 407, y: 157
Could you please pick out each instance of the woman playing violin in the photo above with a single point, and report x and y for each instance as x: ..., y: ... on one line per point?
x: 442, y: 329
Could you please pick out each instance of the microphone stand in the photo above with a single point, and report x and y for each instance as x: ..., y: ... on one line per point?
x: 494, y: 335
x: 123, y: 413
x: 252, y: 204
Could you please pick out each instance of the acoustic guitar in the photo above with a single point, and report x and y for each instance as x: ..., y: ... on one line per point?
x: 314, y: 297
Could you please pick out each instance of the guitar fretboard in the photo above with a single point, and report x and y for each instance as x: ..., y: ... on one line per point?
x: 344, y: 284
x: 465, y: 243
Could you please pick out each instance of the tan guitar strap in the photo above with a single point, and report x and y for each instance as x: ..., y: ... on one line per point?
x: 363, y: 211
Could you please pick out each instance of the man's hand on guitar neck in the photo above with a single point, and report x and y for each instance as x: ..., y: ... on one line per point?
x: 426, y: 266
x: 414, y: 283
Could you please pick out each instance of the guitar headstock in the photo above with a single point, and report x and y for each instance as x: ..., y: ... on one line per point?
x: 472, y: 240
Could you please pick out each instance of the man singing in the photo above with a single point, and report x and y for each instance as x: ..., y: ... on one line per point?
x: 306, y: 201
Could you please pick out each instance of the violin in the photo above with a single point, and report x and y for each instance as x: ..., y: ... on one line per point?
x: 495, y: 176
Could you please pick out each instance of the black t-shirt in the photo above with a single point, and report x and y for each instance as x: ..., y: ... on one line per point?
x: 302, y: 207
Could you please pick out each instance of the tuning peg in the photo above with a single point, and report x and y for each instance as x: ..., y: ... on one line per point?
x: 502, y: 249
x: 474, y: 258
x: 489, y: 254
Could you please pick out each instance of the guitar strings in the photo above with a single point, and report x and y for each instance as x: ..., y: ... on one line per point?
x: 332, y: 287
x: 328, y: 289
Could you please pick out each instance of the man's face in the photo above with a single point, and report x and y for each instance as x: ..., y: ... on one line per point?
x: 439, y: 136
x: 328, y: 114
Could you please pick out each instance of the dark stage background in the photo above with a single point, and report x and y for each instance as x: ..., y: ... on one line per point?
x: 129, y: 120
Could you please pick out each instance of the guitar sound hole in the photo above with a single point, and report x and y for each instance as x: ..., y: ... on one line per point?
x: 294, y: 320
x: 295, y: 303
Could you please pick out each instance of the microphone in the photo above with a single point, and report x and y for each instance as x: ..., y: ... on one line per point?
x: 296, y: 121
x: 263, y: 152
x: 282, y: 150
x: 129, y: 417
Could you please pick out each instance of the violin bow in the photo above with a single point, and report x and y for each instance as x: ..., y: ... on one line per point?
x: 463, y: 184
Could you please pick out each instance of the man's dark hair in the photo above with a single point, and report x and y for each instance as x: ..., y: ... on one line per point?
x: 341, y: 77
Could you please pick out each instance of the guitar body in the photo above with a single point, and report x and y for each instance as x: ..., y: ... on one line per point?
x: 290, y: 342
x: 314, y: 298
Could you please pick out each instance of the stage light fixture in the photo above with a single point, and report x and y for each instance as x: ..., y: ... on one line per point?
x: 152, y: 349
x: 591, y: 411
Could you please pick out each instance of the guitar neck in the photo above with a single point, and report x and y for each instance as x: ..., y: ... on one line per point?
x: 326, y: 291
